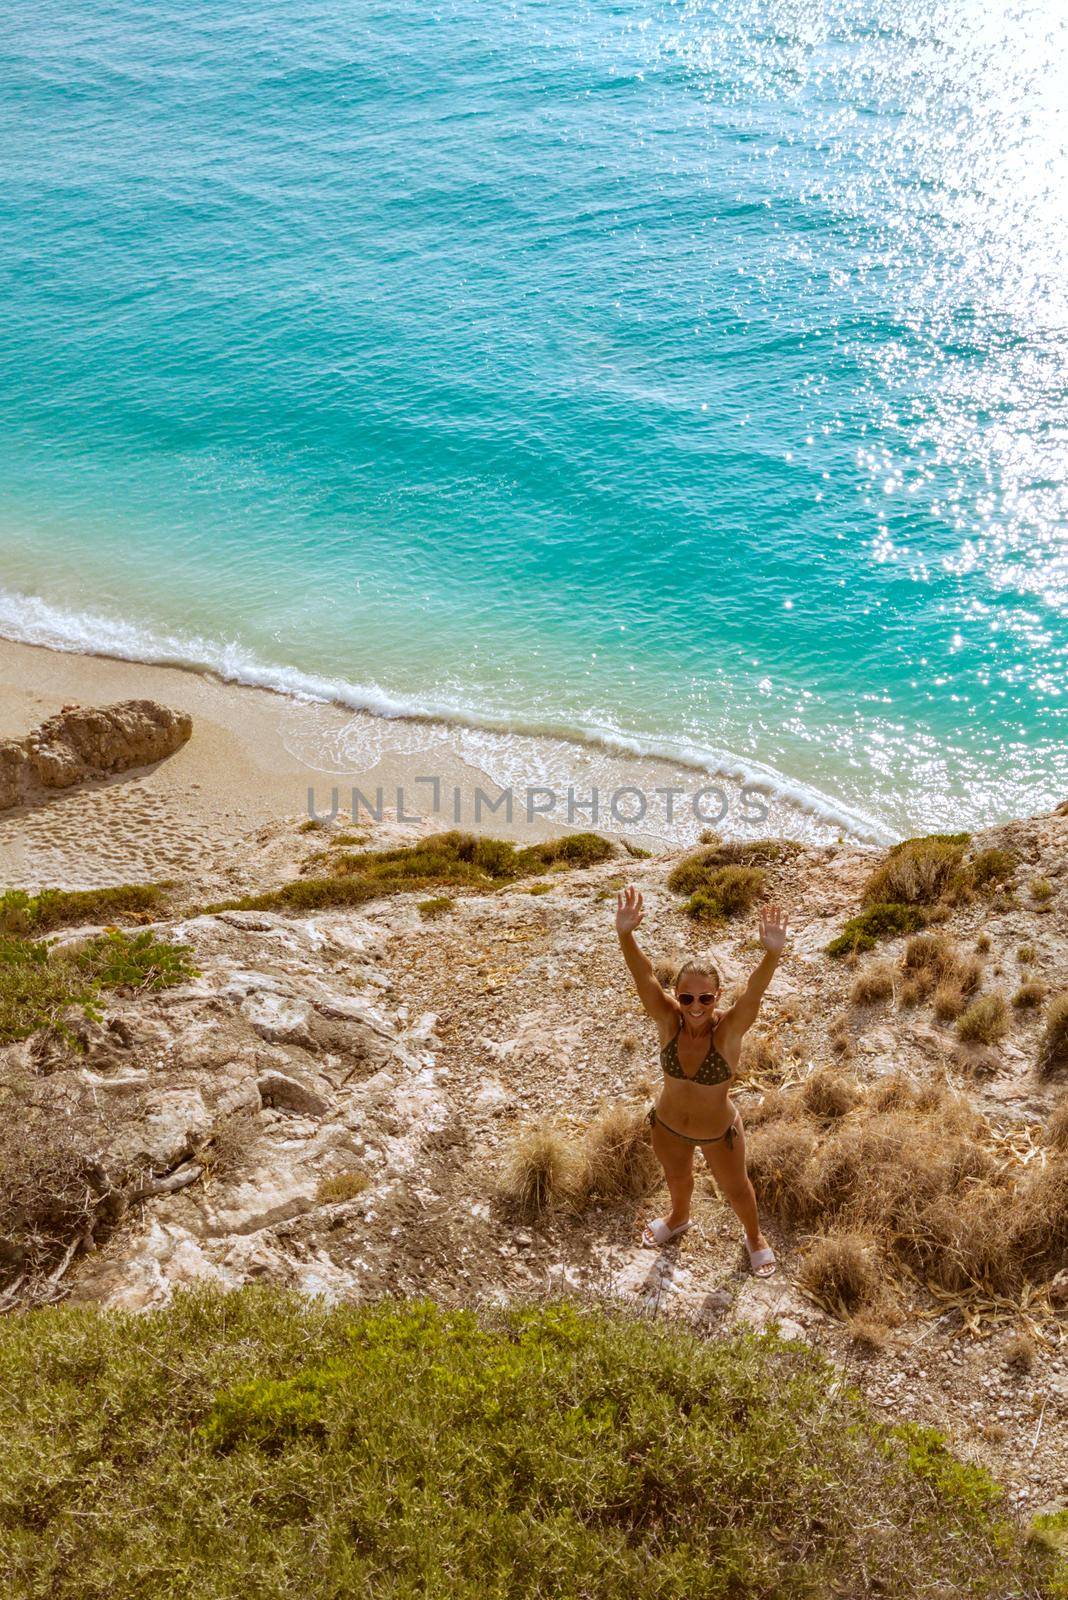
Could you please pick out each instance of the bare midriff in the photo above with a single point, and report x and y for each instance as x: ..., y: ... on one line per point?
x: 698, y: 1110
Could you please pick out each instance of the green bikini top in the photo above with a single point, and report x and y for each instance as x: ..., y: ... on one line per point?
x: 713, y: 1069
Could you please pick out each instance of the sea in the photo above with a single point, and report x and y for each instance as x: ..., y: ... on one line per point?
x: 681, y: 380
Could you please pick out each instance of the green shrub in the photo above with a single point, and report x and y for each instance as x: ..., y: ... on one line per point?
x: 727, y: 892
x: 960, y: 1483
x: 437, y: 905
x: 117, y: 960
x: 875, y: 922
x: 573, y: 850
x: 262, y: 1444
x: 696, y: 871
x: 30, y: 914
x: 460, y: 859
x: 917, y: 870
x: 993, y: 866
x: 1050, y: 1529
x: 36, y: 990
x: 1041, y: 890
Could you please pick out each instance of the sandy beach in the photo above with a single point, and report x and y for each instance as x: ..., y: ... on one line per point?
x: 255, y: 755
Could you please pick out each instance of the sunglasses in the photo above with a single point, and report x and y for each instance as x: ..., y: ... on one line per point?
x: 688, y: 999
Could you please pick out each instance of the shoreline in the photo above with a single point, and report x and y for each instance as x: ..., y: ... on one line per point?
x: 506, y: 748
x: 258, y: 754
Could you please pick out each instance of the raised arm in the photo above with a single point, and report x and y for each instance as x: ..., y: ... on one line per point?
x: 744, y: 1012
x: 629, y: 913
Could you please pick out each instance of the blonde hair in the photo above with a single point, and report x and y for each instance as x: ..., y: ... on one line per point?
x: 707, y: 966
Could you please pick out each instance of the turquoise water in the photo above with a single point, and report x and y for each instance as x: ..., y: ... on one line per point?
x: 690, y: 376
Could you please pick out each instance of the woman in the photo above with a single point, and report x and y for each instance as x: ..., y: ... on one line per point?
x: 699, y: 1051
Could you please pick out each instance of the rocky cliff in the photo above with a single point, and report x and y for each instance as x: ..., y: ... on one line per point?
x: 330, y: 1101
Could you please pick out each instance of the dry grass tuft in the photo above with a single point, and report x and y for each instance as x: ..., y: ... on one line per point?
x: 620, y: 1164
x: 929, y: 952
x: 985, y: 1021
x: 1041, y: 890
x: 47, y: 1191
x: 231, y: 1145
x: 913, y: 1169
x: 990, y: 868
x: 1053, y: 1046
x: 544, y: 1171
x: 778, y: 1156
x: 772, y: 1106
x: 842, y: 1271
x: 869, y: 1332
x: 1019, y: 1352
x: 665, y: 969
x: 1057, y: 1126
x: 934, y: 961
x: 826, y: 1096
x: 1029, y: 994
x: 892, y: 1093
x: 840, y: 1035
x: 341, y: 1186
x: 948, y: 1002
x: 761, y: 1056
x: 873, y: 983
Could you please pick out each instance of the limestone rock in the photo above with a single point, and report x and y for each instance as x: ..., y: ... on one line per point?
x: 288, y: 1093
x: 86, y: 742
x: 171, y: 1126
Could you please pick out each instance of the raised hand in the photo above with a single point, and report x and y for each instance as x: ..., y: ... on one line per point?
x: 629, y: 910
x: 773, y: 921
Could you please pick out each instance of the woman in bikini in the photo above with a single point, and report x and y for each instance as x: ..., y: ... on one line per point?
x: 699, y: 1051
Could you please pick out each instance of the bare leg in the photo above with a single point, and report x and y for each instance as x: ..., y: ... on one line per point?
x: 732, y: 1180
x: 676, y: 1158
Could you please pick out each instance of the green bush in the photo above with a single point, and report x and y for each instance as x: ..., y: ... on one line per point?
x: 436, y: 906
x: 29, y: 914
x: 883, y: 921
x: 989, y: 867
x: 461, y: 859
x: 916, y: 871
x: 695, y: 872
x: 118, y: 960
x: 35, y: 990
x: 342, y: 1186
x: 258, y: 1444
x: 727, y: 892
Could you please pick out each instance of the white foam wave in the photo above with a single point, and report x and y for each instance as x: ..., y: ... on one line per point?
x: 29, y: 619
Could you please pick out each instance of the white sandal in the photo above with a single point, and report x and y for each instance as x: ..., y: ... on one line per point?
x: 763, y: 1262
x: 658, y: 1233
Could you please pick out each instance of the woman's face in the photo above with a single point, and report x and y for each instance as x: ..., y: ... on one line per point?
x: 697, y: 993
